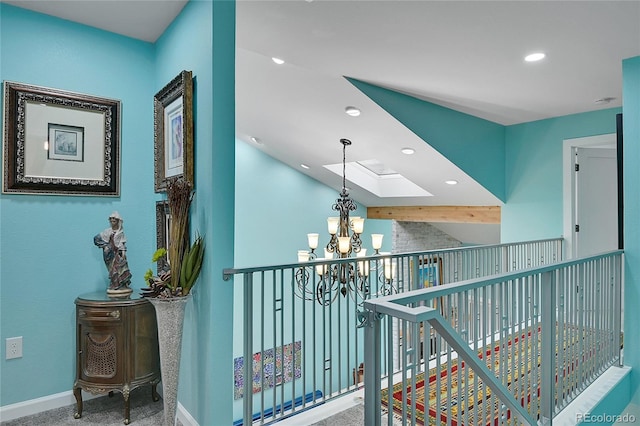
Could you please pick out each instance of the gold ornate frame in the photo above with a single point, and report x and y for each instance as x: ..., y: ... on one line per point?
x: 173, y: 132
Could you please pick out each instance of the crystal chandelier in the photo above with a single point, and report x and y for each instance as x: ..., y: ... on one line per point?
x: 345, y: 277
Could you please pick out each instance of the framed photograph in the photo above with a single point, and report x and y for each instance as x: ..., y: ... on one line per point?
x: 429, y: 272
x: 173, y: 131
x: 163, y: 225
x: 65, y: 142
x: 59, y: 142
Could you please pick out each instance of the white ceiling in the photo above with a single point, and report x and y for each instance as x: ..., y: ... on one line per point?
x: 140, y: 19
x: 465, y: 55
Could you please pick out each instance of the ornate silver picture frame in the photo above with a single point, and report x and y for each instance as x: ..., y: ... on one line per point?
x: 59, y: 142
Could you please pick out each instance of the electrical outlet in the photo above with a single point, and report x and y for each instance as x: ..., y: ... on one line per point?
x: 14, y: 347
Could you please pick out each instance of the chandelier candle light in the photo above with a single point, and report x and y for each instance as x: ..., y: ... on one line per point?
x: 344, y: 243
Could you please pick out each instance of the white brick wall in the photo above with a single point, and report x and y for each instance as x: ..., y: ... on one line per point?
x: 419, y: 236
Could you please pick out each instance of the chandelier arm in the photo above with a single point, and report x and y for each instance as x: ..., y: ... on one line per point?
x: 356, y: 243
x: 301, y: 289
x: 326, y: 294
x: 366, y: 288
x: 386, y: 287
x: 332, y: 245
x: 347, y: 279
x: 355, y: 291
x: 335, y: 278
x: 321, y: 292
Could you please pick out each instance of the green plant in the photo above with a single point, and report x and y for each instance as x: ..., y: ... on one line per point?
x: 184, y: 262
x: 162, y: 286
x: 191, y: 265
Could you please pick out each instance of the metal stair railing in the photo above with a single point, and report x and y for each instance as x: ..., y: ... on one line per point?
x: 304, y: 350
x: 547, y: 334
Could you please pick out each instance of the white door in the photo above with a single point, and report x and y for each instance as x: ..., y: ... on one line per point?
x: 596, y: 200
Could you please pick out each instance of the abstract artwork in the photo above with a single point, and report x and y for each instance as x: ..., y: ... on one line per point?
x: 430, y: 273
x: 270, y: 368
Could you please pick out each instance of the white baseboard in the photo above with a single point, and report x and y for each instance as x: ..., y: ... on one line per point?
x: 325, y: 410
x: 38, y: 405
x: 185, y: 417
x: 63, y: 399
x: 591, y: 397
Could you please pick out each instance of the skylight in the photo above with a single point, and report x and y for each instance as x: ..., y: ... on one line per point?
x: 377, y: 168
x: 378, y: 179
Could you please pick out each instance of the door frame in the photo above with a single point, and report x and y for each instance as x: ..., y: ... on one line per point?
x: 608, y: 140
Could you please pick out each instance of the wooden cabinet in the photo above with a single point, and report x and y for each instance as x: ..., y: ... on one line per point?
x: 117, y: 347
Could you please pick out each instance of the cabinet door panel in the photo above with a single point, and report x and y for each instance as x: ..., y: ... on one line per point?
x: 101, y: 353
x: 146, y: 356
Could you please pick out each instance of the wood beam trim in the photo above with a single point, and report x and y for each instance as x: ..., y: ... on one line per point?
x: 450, y: 214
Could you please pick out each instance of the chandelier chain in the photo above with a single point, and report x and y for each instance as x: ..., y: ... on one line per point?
x: 344, y: 166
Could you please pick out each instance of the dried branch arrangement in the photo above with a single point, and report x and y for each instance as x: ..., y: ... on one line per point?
x: 185, y: 262
x: 179, y: 195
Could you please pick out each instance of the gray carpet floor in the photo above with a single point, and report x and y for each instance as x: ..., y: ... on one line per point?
x: 103, y: 411
x: 109, y: 411
x: 351, y: 417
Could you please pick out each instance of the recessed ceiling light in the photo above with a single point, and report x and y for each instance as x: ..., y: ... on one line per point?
x: 304, y: 166
x: 408, y: 151
x: 352, y: 111
x: 256, y: 140
x: 451, y: 182
x: 534, y: 57
x: 277, y: 61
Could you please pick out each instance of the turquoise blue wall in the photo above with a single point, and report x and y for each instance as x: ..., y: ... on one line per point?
x: 471, y: 143
x: 612, y: 404
x: 48, y: 257
x: 46, y: 242
x: 533, y: 170
x: 616, y: 401
x: 202, y: 39
x: 274, y: 204
x: 215, y: 362
x: 631, y: 130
